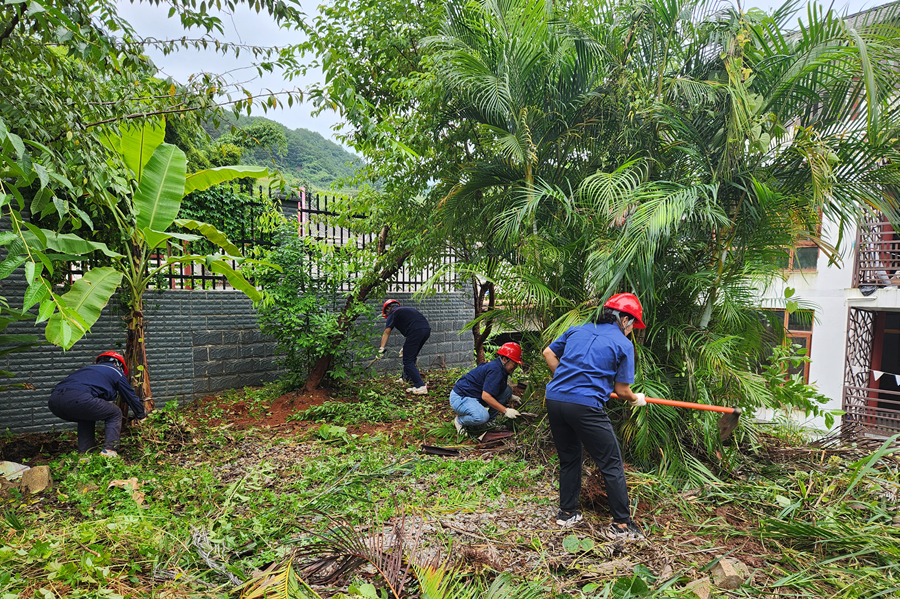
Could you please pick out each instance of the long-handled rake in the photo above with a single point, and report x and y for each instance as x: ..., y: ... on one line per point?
x: 727, y: 423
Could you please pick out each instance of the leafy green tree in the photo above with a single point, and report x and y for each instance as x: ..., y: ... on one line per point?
x: 25, y: 184
x: 72, y: 72
x: 379, y: 74
x: 298, y: 306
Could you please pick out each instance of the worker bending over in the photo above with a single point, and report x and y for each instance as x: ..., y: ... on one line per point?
x: 416, y: 329
x: 89, y: 395
x: 588, y: 362
x: 483, y: 393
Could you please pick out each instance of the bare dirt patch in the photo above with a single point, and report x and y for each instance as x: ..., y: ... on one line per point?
x: 244, y: 414
x: 33, y: 449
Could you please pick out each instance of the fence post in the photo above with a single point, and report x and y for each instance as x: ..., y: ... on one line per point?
x: 301, y: 209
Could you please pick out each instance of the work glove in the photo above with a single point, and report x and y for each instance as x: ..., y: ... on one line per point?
x: 380, y: 353
x: 639, y: 402
x: 511, y: 413
x: 400, y: 355
x: 515, y: 400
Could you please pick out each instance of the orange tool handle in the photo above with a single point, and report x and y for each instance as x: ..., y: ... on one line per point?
x: 687, y: 404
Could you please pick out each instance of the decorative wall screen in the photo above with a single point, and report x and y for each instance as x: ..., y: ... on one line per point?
x: 875, y: 410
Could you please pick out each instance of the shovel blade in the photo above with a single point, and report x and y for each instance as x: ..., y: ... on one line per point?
x: 729, y: 422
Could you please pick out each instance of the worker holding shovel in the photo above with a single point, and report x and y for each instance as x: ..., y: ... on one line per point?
x: 588, y: 362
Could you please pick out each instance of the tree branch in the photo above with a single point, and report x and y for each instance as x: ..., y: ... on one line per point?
x: 12, y: 24
x: 140, y: 115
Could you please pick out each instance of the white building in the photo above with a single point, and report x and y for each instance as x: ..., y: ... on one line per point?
x: 854, y: 339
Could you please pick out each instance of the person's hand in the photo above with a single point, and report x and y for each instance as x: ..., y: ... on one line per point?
x: 401, y: 353
x: 511, y: 413
x: 515, y: 400
x: 380, y: 353
x: 641, y: 401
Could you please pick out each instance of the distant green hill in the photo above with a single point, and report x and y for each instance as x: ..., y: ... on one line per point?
x: 303, y: 157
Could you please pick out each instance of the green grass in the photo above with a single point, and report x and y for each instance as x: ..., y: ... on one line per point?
x: 815, y: 527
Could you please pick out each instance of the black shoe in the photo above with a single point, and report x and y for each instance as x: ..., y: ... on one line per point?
x: 568, y: 519
x: 630, y: 532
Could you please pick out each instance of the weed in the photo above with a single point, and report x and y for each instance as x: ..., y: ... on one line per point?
x: 371, y: 407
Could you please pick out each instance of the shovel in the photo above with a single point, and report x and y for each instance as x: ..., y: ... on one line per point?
x: 727, y: 423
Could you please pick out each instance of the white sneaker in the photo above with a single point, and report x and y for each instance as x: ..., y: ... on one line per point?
x: 400, y: 380
x: 109, y: 453
x: 460, y: 429
x: 423, y: 390
x: 568, y: 519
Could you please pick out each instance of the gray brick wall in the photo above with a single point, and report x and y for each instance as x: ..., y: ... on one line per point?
x: 198, y: 342
x: 448, y: 344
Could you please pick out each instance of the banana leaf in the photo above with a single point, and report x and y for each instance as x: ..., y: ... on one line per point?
x: 87, y: 298
x: 159, y: 193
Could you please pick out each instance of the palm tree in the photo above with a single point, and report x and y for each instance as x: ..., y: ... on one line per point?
x: 674, y: 149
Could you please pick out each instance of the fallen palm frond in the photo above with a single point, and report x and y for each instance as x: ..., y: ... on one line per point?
x: 344, y: 548
x: 278, y: 581
x: 443, y: 581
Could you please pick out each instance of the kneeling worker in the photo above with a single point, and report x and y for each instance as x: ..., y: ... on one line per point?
x: 483, y: 393
x: 85, y: 395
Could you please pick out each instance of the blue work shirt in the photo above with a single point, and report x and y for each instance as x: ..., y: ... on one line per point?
x: 592, y: 359
x: 490, y: 376
x: 104, y: 381
x: 406, y: 320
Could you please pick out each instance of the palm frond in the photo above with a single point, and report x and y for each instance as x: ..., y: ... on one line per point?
x: 278, y: 581
x: 343, y: 549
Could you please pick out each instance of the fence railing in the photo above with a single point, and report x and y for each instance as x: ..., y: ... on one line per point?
x: 315, y: 215
x: 877, y: 259
x: 877, y: 410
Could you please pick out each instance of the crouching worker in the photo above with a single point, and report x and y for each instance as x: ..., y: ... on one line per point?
x: 483, y: 393
x: 89, y: 395
x: 588, y: 362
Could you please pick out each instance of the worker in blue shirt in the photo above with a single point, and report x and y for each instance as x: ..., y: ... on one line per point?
x: 588, y: 362
x: 89, y: 395
x: 483, y: 393
x: 416, y: 329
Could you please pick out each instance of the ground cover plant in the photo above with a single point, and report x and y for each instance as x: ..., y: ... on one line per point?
x: 201, y: 506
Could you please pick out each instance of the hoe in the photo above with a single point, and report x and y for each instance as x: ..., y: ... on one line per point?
x: 727, y: 423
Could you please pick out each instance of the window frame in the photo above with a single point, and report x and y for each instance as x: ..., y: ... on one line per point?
x: 790, y: 334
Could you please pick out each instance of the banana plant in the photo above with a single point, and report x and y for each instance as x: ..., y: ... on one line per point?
x: 159, y: 180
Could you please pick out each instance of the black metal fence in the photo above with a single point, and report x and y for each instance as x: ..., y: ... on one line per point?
x: 316, y: 217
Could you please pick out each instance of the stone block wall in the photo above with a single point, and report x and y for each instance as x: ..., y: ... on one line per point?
x: 199, y: 343
x: 448, y: 344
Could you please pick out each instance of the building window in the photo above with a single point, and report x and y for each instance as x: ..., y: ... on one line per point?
x: 798, y: 327
x: 802, y: 258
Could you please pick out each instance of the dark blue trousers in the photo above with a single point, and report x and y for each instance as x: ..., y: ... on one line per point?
x: 79, y: 406
x: 411, y: 348
x: 573, y: 425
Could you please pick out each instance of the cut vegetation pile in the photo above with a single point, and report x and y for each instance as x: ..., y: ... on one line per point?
x: 334, y: 498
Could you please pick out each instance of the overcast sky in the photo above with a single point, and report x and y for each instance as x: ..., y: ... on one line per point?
x: 248, y: 27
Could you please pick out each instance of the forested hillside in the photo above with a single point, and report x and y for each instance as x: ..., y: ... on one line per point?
x: 304, y: 157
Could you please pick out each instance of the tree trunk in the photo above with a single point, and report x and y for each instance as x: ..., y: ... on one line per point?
x: 479, y: 334
x: 323, y: 364
x: 136, y: 357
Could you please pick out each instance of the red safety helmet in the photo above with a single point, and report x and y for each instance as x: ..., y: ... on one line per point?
x: 385, y: 307
x: 511, y: 351
x: 629, y: 304
x: 115, y: 356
